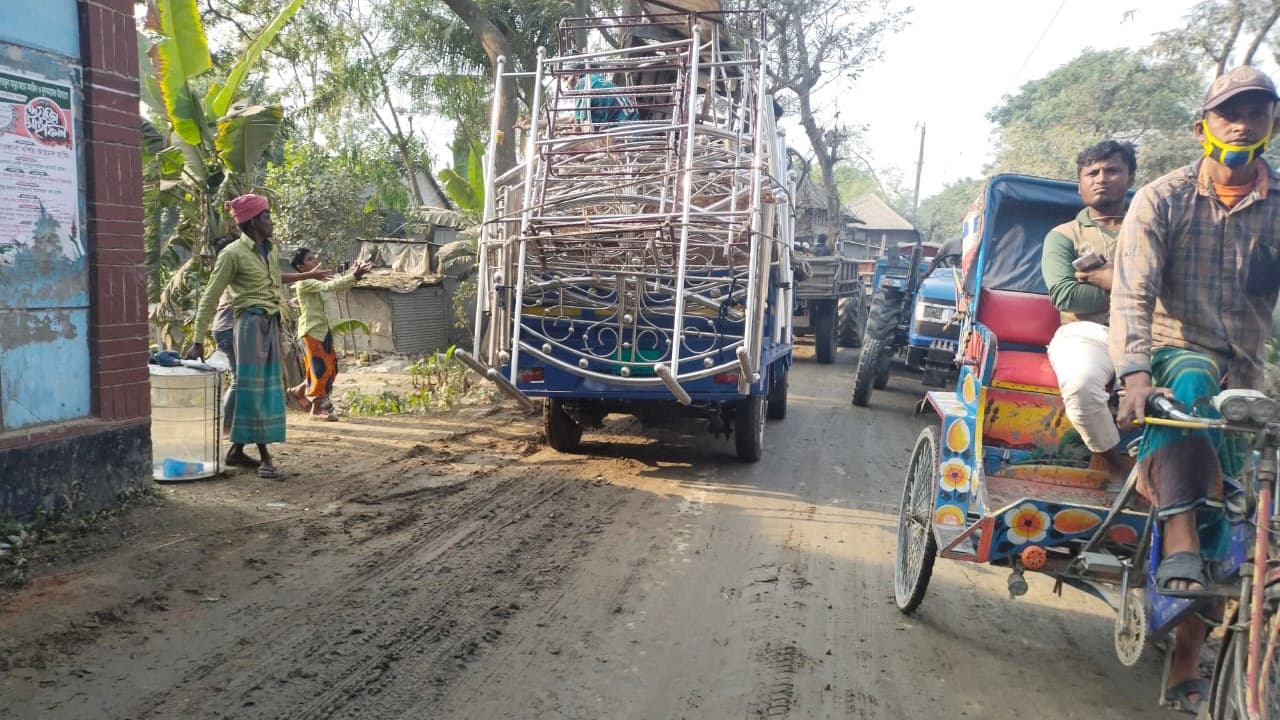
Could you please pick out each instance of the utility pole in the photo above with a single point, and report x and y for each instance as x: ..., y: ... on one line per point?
x: 915, y: 202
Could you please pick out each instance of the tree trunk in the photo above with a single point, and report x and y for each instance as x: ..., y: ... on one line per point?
x: 495, y: 44
x: 826, y: 157
x: 1264, y: 28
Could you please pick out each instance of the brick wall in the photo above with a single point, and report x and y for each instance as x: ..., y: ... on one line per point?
x: 113, y: 184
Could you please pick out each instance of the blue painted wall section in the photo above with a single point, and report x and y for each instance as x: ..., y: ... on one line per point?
x: 74, y: 387
x: 49, y: 25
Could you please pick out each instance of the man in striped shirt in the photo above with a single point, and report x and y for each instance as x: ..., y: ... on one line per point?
x: 1195, y: 283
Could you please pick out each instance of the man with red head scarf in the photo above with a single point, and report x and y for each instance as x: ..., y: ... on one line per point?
x: 250, y: 269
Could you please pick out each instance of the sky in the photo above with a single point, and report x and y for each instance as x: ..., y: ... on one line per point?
x: 956, y: 60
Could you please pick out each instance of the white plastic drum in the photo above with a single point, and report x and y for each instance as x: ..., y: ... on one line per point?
x: 186, y: 412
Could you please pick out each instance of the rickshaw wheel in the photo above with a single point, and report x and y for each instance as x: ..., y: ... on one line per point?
x: 917, y: 548
x: 1226, y: 700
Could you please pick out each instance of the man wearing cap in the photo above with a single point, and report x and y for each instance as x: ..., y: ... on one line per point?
x: 250, y: 268
x: 1194, y: 287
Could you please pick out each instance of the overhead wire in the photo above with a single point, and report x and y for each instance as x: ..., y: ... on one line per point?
x: 1035, y: 47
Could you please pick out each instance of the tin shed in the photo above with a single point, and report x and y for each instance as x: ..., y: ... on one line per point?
x: 406, y: 314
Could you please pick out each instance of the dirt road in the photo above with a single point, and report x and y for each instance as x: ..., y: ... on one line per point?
x: 455, y: 568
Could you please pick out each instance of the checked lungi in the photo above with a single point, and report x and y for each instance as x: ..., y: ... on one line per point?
x: 259, y: 393
x: 1185, y: 468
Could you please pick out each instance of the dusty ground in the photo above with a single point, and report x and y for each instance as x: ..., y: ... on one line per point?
x: 452, y: 567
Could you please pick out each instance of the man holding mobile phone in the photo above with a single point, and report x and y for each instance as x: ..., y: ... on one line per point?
x: 1077, y: 270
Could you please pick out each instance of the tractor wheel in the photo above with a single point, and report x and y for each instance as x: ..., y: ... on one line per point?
x: 868, y: 367
x: 882, y: 370
x: 884, y: 315
x: 824, y: 331
x: 852, y: 320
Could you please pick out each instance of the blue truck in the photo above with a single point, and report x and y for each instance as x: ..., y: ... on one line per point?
x: 622, y: 270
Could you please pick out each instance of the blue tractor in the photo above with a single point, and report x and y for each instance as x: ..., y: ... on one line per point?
x: 912, y: 317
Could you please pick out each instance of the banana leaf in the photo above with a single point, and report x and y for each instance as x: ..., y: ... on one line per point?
x: 179, y: 20
x: 349, y: 326
x: 148, y: 88
x: 220, y: 97
x: 461, y: 192
x: 182, y: 53
x: 245, y: 134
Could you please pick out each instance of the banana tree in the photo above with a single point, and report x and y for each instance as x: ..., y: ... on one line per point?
x: 199, y: 149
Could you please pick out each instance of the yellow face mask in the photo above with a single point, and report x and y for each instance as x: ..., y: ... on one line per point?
x: 1233, y: 156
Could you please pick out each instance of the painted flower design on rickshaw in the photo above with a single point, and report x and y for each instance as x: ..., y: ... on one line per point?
x: 957, y: 436
x: 969, y: 389
x: 954, y: 476
x: 1027, y: 524
x: 949, y: 516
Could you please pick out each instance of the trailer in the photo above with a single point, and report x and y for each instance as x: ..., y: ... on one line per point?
x: 638, y: 258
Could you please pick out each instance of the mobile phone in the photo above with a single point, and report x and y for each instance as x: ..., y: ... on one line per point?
x: 1088, y: 261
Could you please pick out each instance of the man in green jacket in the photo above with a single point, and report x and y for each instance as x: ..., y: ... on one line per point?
x: 1081, y: 290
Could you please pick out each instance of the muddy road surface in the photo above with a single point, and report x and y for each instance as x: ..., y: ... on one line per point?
x: 456, y: 568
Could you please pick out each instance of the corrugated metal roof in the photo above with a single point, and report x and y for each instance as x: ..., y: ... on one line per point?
x: 875, y: 214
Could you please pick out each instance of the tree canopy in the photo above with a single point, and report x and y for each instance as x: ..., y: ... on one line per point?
x: 1113, y: 94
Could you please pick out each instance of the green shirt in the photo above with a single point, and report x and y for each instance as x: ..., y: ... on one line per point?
x: 312, y: 319
x: 253, y: 282
x: 1076, y: 300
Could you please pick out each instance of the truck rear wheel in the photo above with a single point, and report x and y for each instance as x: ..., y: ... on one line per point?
x: 563, y: 432
x: 852, y: 320
x: 824, y: 331
x: 778, y: 392
x: 865, y: 376
x: 748, y: 428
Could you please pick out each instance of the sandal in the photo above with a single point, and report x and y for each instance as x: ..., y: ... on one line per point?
x: 268, y: 472
x: 1178, y: 697
x: 1188, y: 566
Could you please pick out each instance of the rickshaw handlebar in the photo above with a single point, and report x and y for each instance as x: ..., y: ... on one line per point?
x: 1165, y: 411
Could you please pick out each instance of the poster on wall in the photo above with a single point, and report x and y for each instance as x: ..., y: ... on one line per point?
x: 39, y: 180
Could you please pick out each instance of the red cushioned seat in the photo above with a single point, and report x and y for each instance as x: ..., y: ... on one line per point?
x: 1020, y: 319
x: 1017, y: 317
x: 1016, y: 367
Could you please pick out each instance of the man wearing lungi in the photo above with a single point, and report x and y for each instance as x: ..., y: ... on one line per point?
x: 250, y: 268
x: 1195, y: 283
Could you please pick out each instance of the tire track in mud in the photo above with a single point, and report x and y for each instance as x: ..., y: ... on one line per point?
x: 779, y: 659
x: 431, y: 598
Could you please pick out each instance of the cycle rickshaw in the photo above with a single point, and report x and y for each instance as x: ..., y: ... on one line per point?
x: 1000, y: 480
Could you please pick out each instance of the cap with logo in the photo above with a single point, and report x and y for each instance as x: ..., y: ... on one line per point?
x: 1239, y: 80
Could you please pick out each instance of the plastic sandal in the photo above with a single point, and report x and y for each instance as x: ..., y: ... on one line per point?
x: 1188, y: 566
x: 1178, y: 697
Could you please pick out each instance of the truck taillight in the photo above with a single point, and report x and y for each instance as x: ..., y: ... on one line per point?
x: 725, y: 378
x: 531, y: 375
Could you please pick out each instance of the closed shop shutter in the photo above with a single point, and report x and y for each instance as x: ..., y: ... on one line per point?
x: 420, y: 321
